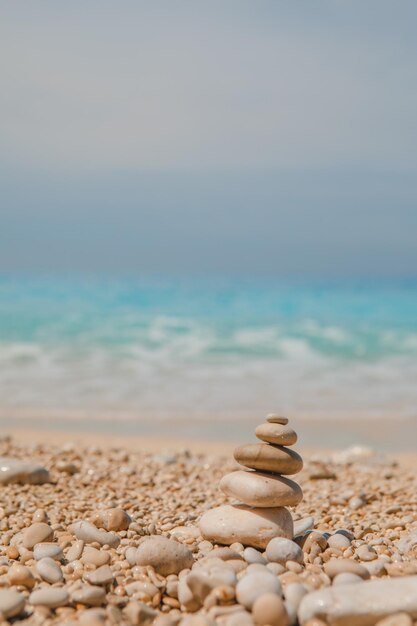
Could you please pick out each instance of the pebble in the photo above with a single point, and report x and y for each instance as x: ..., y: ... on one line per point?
x: 112, y: 519
x: 346, y: 578
x: 301, y: 526
x: 253, y: 556
x: 269, y: 610
x: 89, y: 595
x: 49, y: 570
x: 75, y: 551
x: 37, y: 533
x: 366, y: 553
x: 341, y: 566
x: 11, y: 603
x: 361, y: 604
x: 269, y: 458
x: 338, y: 541
x: 398, y: 619
x: 275, y: 418
x: 52, y: 597
x: 281, y: 550
x: 22, y: 472
x: 280, y: 434
x: 21, y: 575
x: 101, y: 576
x: 255, y: 584
x: 166, y: 556
x: 90, y: 534
x: 52, y: 550
x: 260, y: 489
x: 95, y: 557
x: 250, y: 526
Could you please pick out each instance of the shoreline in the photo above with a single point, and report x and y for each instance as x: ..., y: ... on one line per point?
x: 384, y: 435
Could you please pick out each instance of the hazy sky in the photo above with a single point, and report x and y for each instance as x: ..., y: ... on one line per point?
x: 239, y: 135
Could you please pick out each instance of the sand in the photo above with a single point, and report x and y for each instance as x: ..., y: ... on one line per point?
x: 164, y: 484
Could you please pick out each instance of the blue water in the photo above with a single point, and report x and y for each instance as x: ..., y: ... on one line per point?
x: 202, y: 347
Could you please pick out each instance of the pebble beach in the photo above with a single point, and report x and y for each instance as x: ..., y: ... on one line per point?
x: 100, y: 533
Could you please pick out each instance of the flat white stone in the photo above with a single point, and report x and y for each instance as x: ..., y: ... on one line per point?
x: 260, y: 489
x: 361, y: 604
x: 166, y: 556
x: 250, y: 526
x: 23, y: 472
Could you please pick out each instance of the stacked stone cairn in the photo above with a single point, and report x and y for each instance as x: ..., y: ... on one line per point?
x: 262, y: 488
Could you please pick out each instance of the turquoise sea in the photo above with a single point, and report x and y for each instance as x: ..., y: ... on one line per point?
x: 206, y: 347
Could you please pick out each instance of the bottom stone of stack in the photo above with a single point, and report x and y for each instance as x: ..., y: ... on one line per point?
x: 250, y: 526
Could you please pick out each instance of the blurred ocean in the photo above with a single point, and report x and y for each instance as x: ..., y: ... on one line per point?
x: 201, y: 347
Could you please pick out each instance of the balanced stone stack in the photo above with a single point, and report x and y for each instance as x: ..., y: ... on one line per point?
x: 263, y: 489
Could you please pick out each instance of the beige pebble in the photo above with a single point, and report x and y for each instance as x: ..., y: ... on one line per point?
x: 251, y: 526
x: 48, y: 549
x: 269, y: 458
x: 339, y: 566
x: 49, y: 570
x: 280, y: 434
x: 269, y: 610
x: 260, y: 489
x: 11, y: 603
x: 112, y: 519
x: 90, y: 534
x: 21, y: 575
x: 398, y: 619
x: 94, y: 556
x: 89, y: 595
x: 75, y: 551
x: 93, y: 617
x: 338, y: 541
x: 166, y: 556
x: 346, y: 578
x: 275, y: 418
x: 281, y: 550
x: 366, y: 553
x: 253, y: 585
x: 37, y: 533
x: 22, y: 472
x: 140, y: 614
x: 101, y: 576
x: 51, y: 597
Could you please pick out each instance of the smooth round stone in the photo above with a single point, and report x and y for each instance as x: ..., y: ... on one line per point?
x: 339, y: 541
x: 252, y: 556
x: 269, y: 458
x: 281, y: 550
x: 274, y: 418
x: 52, y: 550
x: 51, y: 597
x: 253, y: 585
x: 21, y: 575
x: 49, y: 570
x: 346, y: 578
x: 166, y: 556
x: 250, y: 526
x: 259, y: 489
x: 11, y: 603
x: 301, y: 526
x: 280, y: 434
x: 101, y: 576
x: 112, y: 519
x: 269, y: 610
x: 38, y: 532
x: 22, y: 472
x: 94, y: 556
x: 75, y: 551
x: 341, y: 566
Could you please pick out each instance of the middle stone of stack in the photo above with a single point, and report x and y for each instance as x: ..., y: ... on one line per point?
x: 264, y: 483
